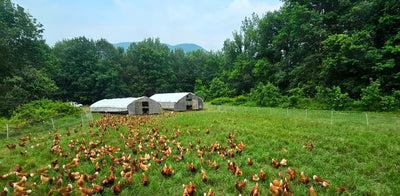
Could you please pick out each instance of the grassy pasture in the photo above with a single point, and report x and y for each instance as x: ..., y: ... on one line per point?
x: 364, y: 159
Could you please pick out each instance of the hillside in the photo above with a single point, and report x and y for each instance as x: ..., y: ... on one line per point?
x: 186, y: 46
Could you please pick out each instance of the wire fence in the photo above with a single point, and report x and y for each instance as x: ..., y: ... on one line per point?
x: 14, y: 130
x: 376, y: 119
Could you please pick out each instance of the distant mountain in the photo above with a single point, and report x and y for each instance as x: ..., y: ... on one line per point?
x: 185, y: 47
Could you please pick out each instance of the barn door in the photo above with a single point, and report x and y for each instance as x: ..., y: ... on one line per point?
x: 195, y: 104
x: 145, y: 107
x: 189, y: 104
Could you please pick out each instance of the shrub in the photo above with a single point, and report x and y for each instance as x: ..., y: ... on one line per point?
x: 388, y: 103
x: 240, y: 100
x: 219, y: 89
x: 200, y: 90
x: 332, y: 98
x: 396, y: 96
x: 221, y: 100
x: 41, y: 110
x: 371, y: 96
x: 266, y: 95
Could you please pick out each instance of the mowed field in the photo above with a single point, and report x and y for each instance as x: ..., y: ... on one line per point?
x: 363, y: 159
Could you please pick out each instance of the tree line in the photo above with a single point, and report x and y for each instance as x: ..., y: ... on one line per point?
x: 335, y: 54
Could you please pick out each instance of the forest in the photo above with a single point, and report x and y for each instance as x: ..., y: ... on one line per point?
x: 334, y: 54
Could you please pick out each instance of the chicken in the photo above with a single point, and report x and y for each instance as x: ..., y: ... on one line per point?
x: 97, y: 167
x: 320, y: 181
x: 66, y: 191
x: 167, y: 171
x: 45, y: 179
x: 191, y: 167
x: 21, y: 182
x: 144, y: 167
x: 117, y: 189
x: 240, y: 186
x: 277, y: 164
x: 207, y: 131
x: 340, y: 190
x: 232, y: 166
x: 275, y: 190
x: 93, y: 177
x: 157, y: 161
x: 145, y: 180
x: 22, y: 144
x: 126, y: 167
x: 215, y: 165
x: 82, y: 180
x: 23, y: 152
x: 74, y: 162
x: 24, y: 139
x: 129, y: 180
x: 286, y: 185
x: 12, y: 146
x: 5, y: 192
x: 277, y: 183
x: 87, y: 192
x: 292, y: 174
x: 22, y: 174
x: 209, y: 193
x: 284, y: 150
x: 310, y: 147
x: 238, y: 172
x: 255, y: 191
x: 303, y: 179
x: 203, y: 176
x: 200, y: 153
x: 18, y: 168
x: 105, y: 182
x: 249, y: 162
x: 56, y: 167
x: 255, y: 177
x: 97, y: 188
x: 56, y: 186
x: 286, y: 193
x: 73, y: 175
x: 54, y: 162
x: 19, y: 190
x: 311, y: 192
x: 4, y: 177
x: 263, y: 176
x: 44, y: 169
x: 112, y: 178
x: 189, y: 190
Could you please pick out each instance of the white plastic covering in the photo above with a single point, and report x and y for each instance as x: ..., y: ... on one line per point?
x: 168, y: 97
x: 168, y: 100
x: 112, y: 105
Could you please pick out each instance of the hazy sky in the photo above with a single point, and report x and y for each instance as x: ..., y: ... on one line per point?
x: 203, y: 22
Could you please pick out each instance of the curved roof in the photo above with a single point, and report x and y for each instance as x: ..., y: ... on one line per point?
x: 113, y: 105
x: 168, y: 97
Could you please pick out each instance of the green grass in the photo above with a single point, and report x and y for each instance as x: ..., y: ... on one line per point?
x: 348, y: 153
